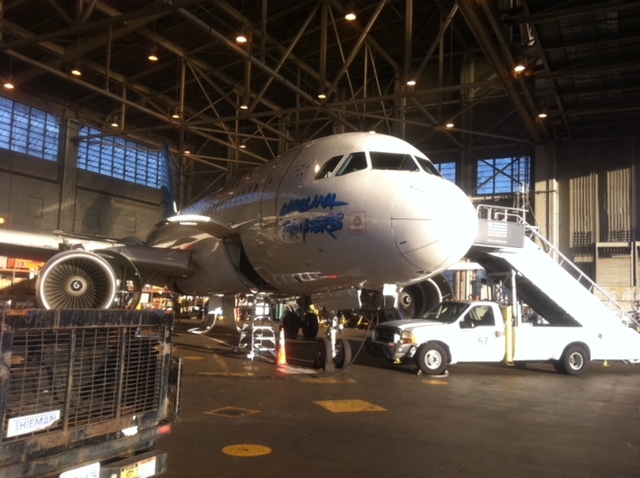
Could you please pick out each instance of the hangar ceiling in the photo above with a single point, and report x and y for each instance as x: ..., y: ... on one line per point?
x: 580, y: 57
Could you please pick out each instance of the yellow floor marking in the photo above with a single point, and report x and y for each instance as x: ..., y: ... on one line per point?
x: 327, y: 380
x: 435, y: 382
x: 349, y: 406
x: 193, y: 357
x: 246, y: 450
x: 228, y: 374
x: 233, y: 412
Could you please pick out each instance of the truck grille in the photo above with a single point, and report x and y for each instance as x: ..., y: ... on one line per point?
x: 385, y: 334
x: 87, y: 375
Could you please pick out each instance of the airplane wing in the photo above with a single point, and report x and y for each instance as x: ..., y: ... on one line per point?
x: 204, y: 224
x: 42, y: 247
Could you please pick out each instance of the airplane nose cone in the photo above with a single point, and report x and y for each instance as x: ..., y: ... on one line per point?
x: 434, y: 224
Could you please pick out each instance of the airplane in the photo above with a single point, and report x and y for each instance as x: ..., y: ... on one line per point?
x: 331, y: 222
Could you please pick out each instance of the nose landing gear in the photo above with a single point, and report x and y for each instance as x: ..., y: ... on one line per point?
x: 332, y: 353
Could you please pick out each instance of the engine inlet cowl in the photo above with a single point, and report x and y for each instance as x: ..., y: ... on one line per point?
x: 76, y: 280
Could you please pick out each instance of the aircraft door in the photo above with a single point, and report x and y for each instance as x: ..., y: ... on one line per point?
x: 268, y: 205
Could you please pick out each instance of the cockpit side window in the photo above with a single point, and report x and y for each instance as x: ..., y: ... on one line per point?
x: 392, y: 161
x: 328, y: 167
x: 428, y: 167
x: 354, y: 162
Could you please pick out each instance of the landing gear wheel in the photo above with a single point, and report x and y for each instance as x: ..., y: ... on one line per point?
x: 343, y: 353
x: 291, y: 324
x: 432, y: 359
x: 574, y: 360
x: 323, y: 357
x: 310, y: 325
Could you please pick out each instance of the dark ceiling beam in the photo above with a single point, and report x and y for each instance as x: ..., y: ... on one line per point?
x: 80, y: 28
x: 629, y: 66
x: 503, y: 71
x: 561, y: 13
x: 356, y: 48
x: 547, y: 68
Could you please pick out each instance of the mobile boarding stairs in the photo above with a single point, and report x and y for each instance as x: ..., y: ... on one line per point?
x: 552, y: 285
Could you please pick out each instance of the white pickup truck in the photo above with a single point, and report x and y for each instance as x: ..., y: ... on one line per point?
x: 476, y: 331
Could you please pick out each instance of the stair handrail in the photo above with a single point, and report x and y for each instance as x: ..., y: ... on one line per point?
x: 518, y: 215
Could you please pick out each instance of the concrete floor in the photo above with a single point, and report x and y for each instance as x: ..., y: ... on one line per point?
x: 374, y: 420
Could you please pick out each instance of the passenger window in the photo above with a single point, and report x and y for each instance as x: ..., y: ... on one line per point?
x: 354, y: 162
x: 328, y: 167
x: 393, y: 161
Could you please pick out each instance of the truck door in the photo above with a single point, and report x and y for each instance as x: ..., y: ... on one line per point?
x: 480, y: 335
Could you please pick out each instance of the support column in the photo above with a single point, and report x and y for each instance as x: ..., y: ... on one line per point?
x: 546, y: 202
x: 68, y: 158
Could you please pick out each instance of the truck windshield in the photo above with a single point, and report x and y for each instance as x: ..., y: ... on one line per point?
x: 446, y: 312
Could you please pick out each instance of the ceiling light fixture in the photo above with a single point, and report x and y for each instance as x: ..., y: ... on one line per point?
x: 242, y: 37
x: 350, y: 16
x: 115, y: 123
x: 176, y: 114
x: 9, y: 84
x: 153, y: 55
x: 449, y: 125
x: 411, y: 82
x: 543, y: 114
x: 75, y: 71
x: 519, y: 68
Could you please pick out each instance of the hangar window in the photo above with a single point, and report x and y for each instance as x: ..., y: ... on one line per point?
x: 119, y: 158
x: 392, y: 161
x: 328, y: 167
x: 504, y: 175
x: 354, y: 162
x: 28, y: 130
x: 448, y: 170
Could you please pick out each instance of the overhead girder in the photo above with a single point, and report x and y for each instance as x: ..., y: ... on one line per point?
x: 502, y: 68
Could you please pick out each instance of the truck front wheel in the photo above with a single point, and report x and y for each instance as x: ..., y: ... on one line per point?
x: 432, y: 359
x: 574, y: 360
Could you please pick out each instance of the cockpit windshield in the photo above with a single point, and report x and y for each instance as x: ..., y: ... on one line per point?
x: 328, y: 167
x: 428, y: 166
x: 354, y: 162
x: 445, y: 312
x: 393, y: 161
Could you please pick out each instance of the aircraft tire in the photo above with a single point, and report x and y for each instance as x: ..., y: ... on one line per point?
x: 291, y: 324
x: 310, y: 325
x: 432, y: 359
x: 343, y: 353
x: 322, y: 357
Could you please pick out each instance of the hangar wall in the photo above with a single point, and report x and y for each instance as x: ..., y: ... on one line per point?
x: 598, y: 224
x: 38, y: 195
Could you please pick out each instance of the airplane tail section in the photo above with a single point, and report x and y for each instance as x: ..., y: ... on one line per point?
x: 170, y: 182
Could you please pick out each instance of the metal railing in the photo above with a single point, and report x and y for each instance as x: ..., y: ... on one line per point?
x: 518, y: 215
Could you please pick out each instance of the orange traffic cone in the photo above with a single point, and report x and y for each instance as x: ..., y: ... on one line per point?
x: 282, y: 354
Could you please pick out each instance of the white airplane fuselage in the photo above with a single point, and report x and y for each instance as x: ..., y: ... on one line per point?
x: 304, y: 229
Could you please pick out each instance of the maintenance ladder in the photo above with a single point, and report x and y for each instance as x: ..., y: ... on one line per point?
x: 257, y: 333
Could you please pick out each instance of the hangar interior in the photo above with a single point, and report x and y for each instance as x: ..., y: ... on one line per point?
x: 95, y: 89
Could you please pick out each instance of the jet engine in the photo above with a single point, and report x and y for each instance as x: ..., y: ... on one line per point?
x: 88, y: 280
x: 104, y: 279
x: 416, y: 299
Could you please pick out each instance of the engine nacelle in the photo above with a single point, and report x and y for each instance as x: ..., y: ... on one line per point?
x: 88, y: 280
x: 416, y: 299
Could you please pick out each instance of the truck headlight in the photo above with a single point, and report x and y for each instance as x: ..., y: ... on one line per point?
x: 407, y: 338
